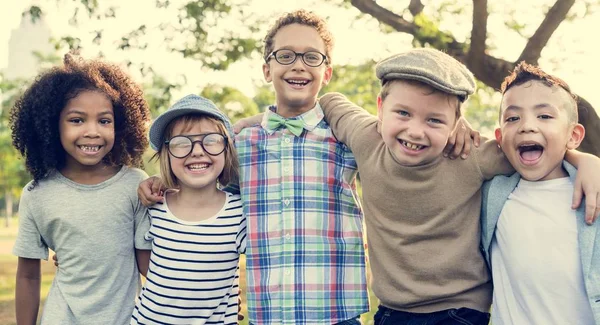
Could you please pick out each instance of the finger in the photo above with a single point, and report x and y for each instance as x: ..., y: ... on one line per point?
x: 237, y: 127
x: 590, y: 209
x: 597, y: 212
x: 460, y: 142
x: 476, y: 138
x: 467, y: 146
x: 155, y: 186
x: 450, y: 144
x: 54, y: 257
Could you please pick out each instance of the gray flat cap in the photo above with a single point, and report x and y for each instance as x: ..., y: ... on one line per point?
x: 189, y: 104
x: 433, y: 67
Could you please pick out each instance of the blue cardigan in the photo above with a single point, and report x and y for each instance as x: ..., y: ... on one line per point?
x: 495, y: 193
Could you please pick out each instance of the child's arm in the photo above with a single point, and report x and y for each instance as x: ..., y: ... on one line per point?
x: 461, y: 139
x: 150, y: 191
x: 143, y: 260
x: 587, y: 183
x: 27, y: 292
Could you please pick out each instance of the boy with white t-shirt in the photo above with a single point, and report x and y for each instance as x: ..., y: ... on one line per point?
x: 540, y: 250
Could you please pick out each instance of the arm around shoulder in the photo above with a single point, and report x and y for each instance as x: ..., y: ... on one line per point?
x: 346, y: 119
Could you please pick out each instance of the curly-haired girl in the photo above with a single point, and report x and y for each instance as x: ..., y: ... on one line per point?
x: 81, y: 129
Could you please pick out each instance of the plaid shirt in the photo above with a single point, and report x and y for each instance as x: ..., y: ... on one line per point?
x: 305, y: 259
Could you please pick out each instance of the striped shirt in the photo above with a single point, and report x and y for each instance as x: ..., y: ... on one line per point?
x: 193, y: 276
x: 305, y: 261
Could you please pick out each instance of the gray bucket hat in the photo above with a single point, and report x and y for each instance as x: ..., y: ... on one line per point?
x: 189, y: 104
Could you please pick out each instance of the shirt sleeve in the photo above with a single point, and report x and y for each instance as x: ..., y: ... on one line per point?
x: 29, y: 243
x: 491, y: 160
x: 348, y: 121
x: 240, y: 239
x: 142, y: 226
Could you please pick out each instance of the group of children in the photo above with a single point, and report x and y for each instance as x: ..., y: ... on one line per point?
x: 283, y: 192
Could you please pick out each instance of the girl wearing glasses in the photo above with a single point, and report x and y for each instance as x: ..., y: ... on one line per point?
x: 199, y: 231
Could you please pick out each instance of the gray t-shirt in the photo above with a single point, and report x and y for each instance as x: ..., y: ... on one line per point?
x: 93, y: 229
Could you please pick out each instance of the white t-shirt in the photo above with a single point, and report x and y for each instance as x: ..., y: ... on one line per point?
x: 536, y: 266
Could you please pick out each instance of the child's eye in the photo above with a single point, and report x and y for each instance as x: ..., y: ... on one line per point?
x: 76, y: 120
x: 105, y: 121
x: 512, y: 119
x: 545, y: 117
x: 435, y: 121
x: 403, y: 113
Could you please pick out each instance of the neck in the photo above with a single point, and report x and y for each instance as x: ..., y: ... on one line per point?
x: 89, y: 175
x: 198, y: 197
x: 290, y: 110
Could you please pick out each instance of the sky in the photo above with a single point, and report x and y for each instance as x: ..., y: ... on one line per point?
x: 570, y: 54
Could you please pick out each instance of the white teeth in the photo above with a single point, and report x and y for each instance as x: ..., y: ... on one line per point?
x: 90, y: 148
x: 298, y: 82
x: 197, y: 166
x: 411, y: 146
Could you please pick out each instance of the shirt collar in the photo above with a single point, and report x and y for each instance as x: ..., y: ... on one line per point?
x: 310, y: 119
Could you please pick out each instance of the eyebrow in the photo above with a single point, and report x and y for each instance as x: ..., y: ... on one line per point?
x: 75, y: 111
x: 289, y: 47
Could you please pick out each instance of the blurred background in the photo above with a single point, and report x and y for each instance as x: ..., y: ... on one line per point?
x: 214, y: 48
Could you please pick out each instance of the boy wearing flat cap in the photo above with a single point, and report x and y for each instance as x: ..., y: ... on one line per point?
x: 421, y: 210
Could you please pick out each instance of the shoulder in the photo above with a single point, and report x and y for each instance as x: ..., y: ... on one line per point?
x: 134, y: 173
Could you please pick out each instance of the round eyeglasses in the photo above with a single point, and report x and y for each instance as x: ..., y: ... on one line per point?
x: 181, y: 146
x: 287, y: 57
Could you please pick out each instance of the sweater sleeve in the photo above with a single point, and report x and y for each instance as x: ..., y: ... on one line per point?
x: 492, y: 161
x: 349, y: 122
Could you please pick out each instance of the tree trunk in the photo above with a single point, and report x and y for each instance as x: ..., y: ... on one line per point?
x: 8, y: 200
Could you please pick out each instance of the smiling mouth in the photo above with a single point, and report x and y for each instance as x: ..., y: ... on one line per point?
x: 530, y: 152
x: 296, y: 82
x: 90, y: 149
x: 411, y: 146
x: 197, y: 167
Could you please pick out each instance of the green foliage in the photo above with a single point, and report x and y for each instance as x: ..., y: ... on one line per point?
x: 481, y: 110
x: 264, y: 97
x: 230, y: 100
x: 428, y: 33
x: 358, y: 83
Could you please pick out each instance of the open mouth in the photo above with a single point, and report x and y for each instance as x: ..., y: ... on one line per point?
x: 297, y: 82
x: 530, y: 153
x: 412, y: 146
x: 90, y: 149
x: 197, y: 167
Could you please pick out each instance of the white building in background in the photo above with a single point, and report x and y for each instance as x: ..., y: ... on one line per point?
x: 24, y: 41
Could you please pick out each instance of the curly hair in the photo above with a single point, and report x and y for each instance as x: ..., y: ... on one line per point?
x: 301, y: 17
x: 34, y: 120
x: 525, y: 72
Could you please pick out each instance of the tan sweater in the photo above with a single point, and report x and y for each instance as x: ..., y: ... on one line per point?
x: 423, y: 225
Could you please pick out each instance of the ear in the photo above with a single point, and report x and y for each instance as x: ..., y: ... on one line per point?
x: 267, y: 72
x: 498, y: 134
x: 577, y: 135
x: 379, y: 107
x: 327, y: 75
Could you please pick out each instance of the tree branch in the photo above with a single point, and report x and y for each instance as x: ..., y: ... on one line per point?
x: 385, y: 16
x: 478, y: 33
x: 415, y: 7
x: 532, y: 51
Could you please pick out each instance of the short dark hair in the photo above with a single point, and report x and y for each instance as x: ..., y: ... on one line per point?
x: 525, y: 72
x: 302, y: 17
x: 34, y: 120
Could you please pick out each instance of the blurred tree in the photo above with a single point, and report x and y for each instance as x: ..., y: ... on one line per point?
x: 219, y: 32
x: 232, y: 101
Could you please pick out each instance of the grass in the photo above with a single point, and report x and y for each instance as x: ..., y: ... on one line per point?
x: 8, y: 270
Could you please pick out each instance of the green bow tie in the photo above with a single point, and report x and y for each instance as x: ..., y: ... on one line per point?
x: 294, y: 125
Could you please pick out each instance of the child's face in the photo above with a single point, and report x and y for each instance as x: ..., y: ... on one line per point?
x: 416, y: 123
x: 197, y: 170
x: 297, y: 85
x: 87, y: 129
x: 535, y: 130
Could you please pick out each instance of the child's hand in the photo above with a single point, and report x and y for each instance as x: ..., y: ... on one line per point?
x: 459, y: 142
x: 55, y: 259
x: 247, y: 122
x: 588, y: 183
x: 150, y: 191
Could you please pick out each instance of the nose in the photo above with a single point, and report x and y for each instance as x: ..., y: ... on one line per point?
x: 298, y: 65
x: 415, y: 131
x: 197, y: 149
x: 528, y: 125
x: 91, y: 130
